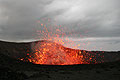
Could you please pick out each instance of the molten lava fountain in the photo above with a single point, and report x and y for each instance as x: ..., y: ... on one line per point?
x: 51, y: 52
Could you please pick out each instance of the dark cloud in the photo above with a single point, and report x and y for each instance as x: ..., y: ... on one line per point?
x: 21, y: 18
x: 81, y: 18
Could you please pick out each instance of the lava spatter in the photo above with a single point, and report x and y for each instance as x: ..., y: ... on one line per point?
x: 51, y: 53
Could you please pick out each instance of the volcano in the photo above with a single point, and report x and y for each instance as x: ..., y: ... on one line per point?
x: 50, y: 53
x: 22, y: 61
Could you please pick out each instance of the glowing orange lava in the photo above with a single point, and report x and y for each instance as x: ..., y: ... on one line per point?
x: 51, y: 52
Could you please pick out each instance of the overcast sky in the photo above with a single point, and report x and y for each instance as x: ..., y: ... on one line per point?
x: 97, y: 21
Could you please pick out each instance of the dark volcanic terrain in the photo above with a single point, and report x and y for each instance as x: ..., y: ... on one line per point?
x: 13, y: 69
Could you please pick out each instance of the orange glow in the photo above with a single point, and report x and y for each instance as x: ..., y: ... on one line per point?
x: 51, y: 52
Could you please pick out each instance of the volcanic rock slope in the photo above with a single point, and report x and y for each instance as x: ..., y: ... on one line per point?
x: 13, y: 69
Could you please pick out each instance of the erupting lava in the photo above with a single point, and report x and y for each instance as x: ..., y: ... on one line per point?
x: 51, y: 53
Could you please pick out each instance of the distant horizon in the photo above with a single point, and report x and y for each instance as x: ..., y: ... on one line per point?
x: 94, y: 42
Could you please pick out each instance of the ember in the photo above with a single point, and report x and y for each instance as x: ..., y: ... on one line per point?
x: 54, y: 54
x: 51, y: 51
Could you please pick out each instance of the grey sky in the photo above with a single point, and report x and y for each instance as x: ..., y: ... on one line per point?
x: 89, y: 18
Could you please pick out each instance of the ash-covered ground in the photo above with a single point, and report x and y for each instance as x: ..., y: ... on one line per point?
x: 14, y: 69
